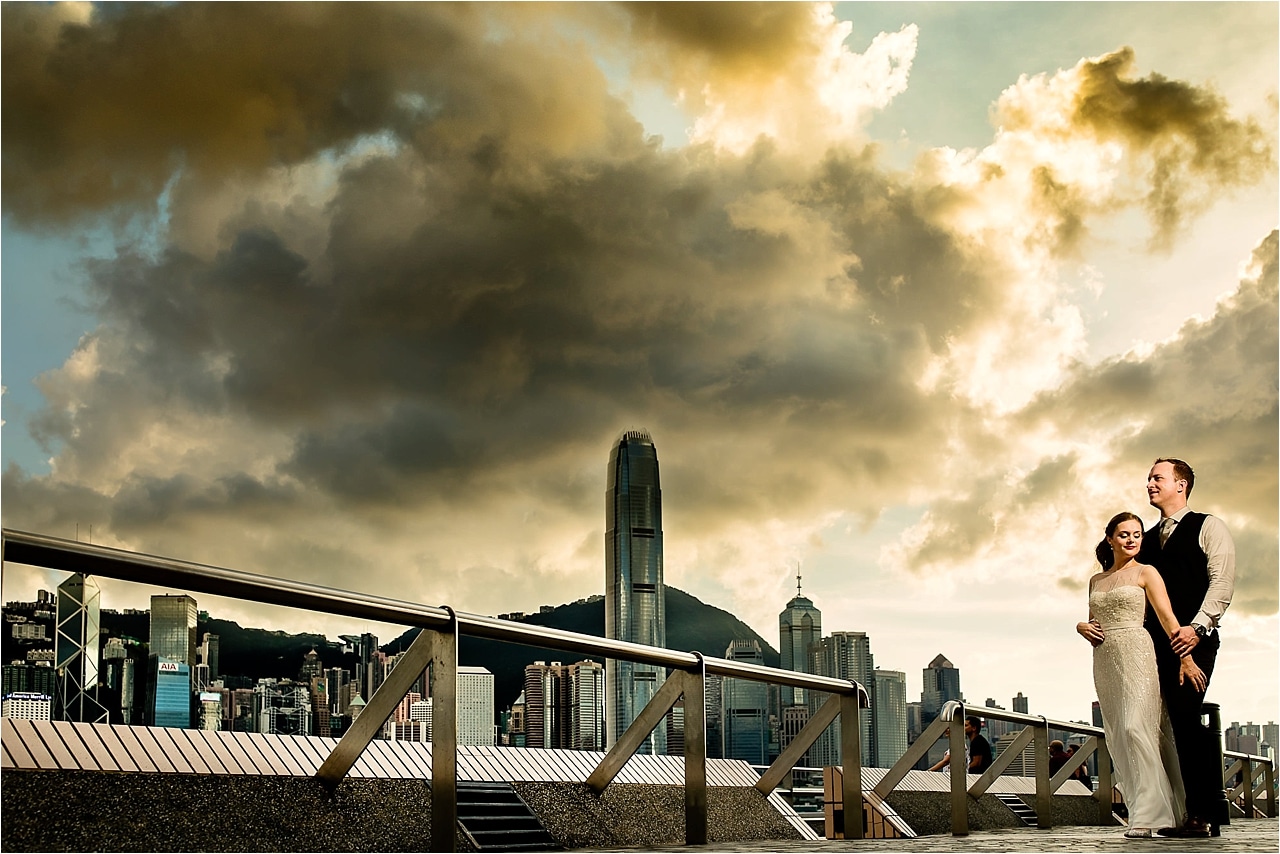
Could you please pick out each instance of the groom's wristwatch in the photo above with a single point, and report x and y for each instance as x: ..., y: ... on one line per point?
x: 1203, y: 632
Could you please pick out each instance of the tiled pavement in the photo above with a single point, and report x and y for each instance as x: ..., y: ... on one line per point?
x: 1259, y: 835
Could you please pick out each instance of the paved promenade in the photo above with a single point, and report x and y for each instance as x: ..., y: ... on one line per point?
x: 1259, y: 835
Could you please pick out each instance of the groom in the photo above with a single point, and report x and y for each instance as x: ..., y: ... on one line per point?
x: 1195, y: 556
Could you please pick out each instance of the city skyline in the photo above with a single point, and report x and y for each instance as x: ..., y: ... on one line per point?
x: 910, y: 294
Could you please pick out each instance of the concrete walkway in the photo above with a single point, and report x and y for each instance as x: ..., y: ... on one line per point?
x: 1259, y: 835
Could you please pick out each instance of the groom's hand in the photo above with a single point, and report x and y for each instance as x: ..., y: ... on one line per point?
x: 1184, y: 640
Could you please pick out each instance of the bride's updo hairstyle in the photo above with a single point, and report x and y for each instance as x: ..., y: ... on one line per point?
x: 1103, y: 552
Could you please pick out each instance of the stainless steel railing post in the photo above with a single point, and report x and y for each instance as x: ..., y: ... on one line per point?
x: 444, y: 737
x: 695, y: 754
x: 1044, y: 798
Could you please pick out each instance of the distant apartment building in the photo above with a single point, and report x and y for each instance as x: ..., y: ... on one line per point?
x: 29, y: 679
x: 32, y: 707
x: 475, y: 706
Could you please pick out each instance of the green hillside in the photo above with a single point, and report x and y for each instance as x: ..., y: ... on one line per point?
x: 692, y: 625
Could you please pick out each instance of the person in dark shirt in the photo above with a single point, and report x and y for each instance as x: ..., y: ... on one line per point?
x: 1058, y: 756
x: 980, y: 756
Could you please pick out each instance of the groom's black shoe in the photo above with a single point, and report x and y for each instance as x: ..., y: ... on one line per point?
x: 1192, y: 828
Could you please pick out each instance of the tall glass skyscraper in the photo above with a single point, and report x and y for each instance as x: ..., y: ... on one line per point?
x: 634, y: 596
x: 941, y: 684
x: 173, y: 628
x: 744, y: 716
x: 889, y: 716
x: 799, y: 628
x: 843, y: 655
x: 76, y: 649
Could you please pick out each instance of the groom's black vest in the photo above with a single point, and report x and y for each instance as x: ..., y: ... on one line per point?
x: 1182, y: 564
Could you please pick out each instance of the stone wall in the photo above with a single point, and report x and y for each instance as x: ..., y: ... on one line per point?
x: 632, y: 815
x: 929, y: 813
x: 99, y: 811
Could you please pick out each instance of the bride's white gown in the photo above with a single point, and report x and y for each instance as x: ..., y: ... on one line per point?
x: 1124, y: 673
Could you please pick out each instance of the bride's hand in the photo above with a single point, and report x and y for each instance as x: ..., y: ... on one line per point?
x: 1091, y: 631
x: 1191, y: 670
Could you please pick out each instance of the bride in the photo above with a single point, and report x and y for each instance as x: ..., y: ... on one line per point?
x: 1124, y: 673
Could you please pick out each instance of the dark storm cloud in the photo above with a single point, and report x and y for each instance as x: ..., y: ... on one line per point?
x: 100, y: 114
x: 498, y: 313
x: 1195, y: 148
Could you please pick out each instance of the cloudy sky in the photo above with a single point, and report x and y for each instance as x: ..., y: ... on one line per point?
x: 908, y: 295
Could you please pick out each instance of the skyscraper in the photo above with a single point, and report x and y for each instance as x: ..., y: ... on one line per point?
x: 889, y: 716
x: 586, y: 701
x: 941, y: 684
x: 76, y: 649
x: 475, y: 706
x: 1021, y: 704
x: 635, y: 608
x: 843, y: 655
x: 799, y: 628
x: 173, y: 628
x: 744, y: 719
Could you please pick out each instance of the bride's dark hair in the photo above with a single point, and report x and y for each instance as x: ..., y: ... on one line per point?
x: 1103, y: 552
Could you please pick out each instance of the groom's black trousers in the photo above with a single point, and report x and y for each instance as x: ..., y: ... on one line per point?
x: 1198, y: 755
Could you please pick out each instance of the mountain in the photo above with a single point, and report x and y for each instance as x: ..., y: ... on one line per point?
x: 692, y: 625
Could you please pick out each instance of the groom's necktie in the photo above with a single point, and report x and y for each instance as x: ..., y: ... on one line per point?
x: 1166, y: 528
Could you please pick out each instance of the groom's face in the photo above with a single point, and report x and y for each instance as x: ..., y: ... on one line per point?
x: 1163, y: 488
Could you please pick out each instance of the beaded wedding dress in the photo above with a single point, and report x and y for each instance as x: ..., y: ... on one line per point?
x: 1139, y: 737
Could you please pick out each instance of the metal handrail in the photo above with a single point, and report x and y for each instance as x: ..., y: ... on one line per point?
x: 91, y: 559
x: 951, y: 717
x: 436, y: 648
x: 1249, y: 767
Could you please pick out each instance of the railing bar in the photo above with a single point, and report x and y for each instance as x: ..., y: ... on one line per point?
x: 186, y: 743
x: 231, y: 757
x: 178, y: 754
x: 219, y: 750
x: 56, y: 553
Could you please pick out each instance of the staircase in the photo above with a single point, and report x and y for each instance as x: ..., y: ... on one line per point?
x: 1019, y: 808
x: 495, y: 819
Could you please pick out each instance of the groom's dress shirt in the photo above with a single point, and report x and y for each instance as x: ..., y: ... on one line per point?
x: 1218, y: 547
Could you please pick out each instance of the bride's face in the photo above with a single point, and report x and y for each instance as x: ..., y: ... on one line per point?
x: 1126, y: 540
